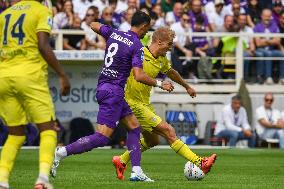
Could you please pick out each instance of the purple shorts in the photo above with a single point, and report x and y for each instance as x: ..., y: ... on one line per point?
x: 112, y: 107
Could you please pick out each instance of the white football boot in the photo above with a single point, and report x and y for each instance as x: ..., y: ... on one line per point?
x: 140, y: 177
x: 59, y: 154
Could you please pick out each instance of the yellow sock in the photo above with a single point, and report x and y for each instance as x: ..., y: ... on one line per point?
x: 182, y: 149
x: 48, y: 140
x: 125, y: 156
x: 8, y: 156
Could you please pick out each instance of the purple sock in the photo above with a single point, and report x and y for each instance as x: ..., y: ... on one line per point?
x: 133, y: 146
x: 87, y: 143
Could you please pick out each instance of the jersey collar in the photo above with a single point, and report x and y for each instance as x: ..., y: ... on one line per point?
x: 134, y: 33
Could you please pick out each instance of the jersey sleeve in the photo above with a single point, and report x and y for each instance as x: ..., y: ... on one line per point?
x: 45, y: 21
x: 106, y: 31
x: 166, y: 65
x: 138, y: 55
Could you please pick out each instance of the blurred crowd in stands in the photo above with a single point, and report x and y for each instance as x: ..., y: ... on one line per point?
x: 191, y: 56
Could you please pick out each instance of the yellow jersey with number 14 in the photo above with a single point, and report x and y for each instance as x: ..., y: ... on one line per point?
x: 139, y: 92
x: 19, y: 25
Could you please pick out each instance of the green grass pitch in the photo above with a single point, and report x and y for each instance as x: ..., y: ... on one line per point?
x: 234, y: 168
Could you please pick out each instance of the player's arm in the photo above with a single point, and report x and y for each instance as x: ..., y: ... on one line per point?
x: 96, y: 27
x: 49, y: 56
x: 266, y: 123
x: 175, y: 76
x: 142, y: 77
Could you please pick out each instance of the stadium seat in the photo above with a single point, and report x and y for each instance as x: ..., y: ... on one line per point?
x: 210, y: 138
x: 185, y: 124
x: 271, y: 141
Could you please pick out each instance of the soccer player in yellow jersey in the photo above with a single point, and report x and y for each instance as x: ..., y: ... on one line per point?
x: 24, y: 94
x: 138, y: 97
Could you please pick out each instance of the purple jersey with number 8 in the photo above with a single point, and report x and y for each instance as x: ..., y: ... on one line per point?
x: 123, y: 51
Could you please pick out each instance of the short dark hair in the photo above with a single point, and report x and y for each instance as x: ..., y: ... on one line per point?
x: 237, y: 97
x: 140, y: 18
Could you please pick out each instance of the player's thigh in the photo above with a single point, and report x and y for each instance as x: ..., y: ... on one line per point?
x: 130, y: 121
x: 146, y: 116
x: 36, y: 98
x: 11, y: 110
x: 268, y: 133
x: 110, y: 108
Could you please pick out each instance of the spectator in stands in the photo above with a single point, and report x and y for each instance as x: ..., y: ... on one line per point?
x: 93, y: 40
x: 234, y: 8
x: 81, y: 7
x: 3, y: 5
x: 175, y: 15
x: 74, y: 42
x: 117, y: 18
x: 249, y: 46
x: 276, y: 10
x: 107, y: 18
x: 197, y: 11
x: 101, y: 4
x: 216, y: 17
x: 267, y: 47
x: 281, y: 28
x: 121, y: 6
x: 269, y: 122
x: 233, y: 124
x: 57, y: 7
x: 133, y: 4
x: 126, y: 25
x: 201, y: 47
x: 254, y: 13
x: 64, y: 19
x: 182, y: 46
x: 167, y: 5
x: 227, y: 27
x: 154, y: 18
x: 147, y: 4
x: 160, y: 22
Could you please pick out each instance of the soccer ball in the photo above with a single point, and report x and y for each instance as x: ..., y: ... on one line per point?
x: 192, y: 171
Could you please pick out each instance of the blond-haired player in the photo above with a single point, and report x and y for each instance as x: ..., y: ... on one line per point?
x: 24, y: 94
x: 138, y: 97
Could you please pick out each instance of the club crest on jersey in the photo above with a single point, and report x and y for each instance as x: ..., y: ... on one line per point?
x: 49, y: 21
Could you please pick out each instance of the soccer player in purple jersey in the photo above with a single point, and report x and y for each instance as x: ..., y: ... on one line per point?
x: 124, y: 52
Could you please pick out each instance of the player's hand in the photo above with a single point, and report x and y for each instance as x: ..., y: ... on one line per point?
x: 280, y: 124
x: 167, y: 86
x: 64, y: 85
x: 247, y: 133
x: 191, y: 92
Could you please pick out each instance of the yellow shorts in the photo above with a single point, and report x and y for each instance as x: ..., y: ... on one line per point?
x: 145, y: 114
x: 25, y: 99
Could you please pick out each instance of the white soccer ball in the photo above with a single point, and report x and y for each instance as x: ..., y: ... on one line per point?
x: 193, y: 172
